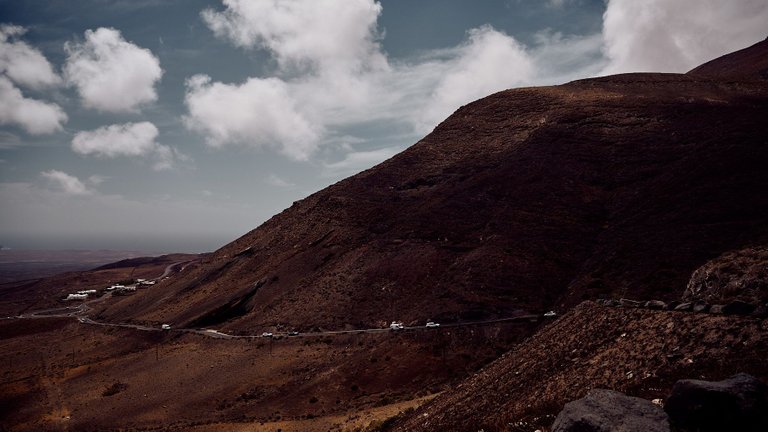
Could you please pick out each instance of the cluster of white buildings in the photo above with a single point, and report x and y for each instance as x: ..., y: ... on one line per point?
x: 80, y: 295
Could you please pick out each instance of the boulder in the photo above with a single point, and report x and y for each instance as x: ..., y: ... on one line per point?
x: 738, y: 307
x: 630, y: 303
x: 701, y: 307
x: 739, y: 403
x: 607, y: 410
x: 684, y: 307
x: 716, y: 309
x: 655, y: 304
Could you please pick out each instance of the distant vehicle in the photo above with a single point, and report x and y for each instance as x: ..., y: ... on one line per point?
x: 165, y: 326
x: 293, y: 333
x: 432, y: 324
x: 266, y: 334
x: 550, y: 314
x: 396, y: 326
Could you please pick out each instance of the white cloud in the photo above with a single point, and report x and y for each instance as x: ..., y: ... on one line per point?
x: 259, y: 113
x: 110, y: 73
x: 34, y: 116
x: 332, y: 36
x: 358, y: 160
x: 22, y: 63
x: 678, y: 35
x: 487, y: 62
x: 129, y: 139
x: 68, y: 184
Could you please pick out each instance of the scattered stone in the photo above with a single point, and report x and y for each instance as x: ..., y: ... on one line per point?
x: 716, y: 309
x: 684, y: 307
x: 607, y: 410
x: 672, y: 305
x: 701, y: 307
x: 738, y: 307
x: 630, y: 303
x: 655, y: 305
x: 739, y: 403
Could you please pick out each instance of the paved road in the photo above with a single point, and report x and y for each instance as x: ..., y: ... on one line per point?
x: 80, y: 313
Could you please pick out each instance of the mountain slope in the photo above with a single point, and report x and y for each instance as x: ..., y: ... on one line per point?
x: 527, y: 199
x: 640, y: 352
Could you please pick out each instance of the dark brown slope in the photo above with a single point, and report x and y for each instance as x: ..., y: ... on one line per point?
x: 640, y: 352
x: 747, y: 64
x: 526, y: 199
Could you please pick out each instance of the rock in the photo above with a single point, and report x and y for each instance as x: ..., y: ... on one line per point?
x: 701, y: 308
x: 684, y: 307
x: 672, y: 305
x: 607, y: 410
x: 716, y: 309
x: 739, y: 403
x: 655, y: 305
x: 630, y: 303
x: 735, y: 275
x: 738, y: 307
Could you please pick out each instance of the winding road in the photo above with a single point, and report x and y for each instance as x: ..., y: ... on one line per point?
x: 80, y: 313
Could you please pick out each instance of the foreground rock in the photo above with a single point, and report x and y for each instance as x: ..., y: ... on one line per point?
x: 740, y: 275
x: 739, y: 403
x: 608, y: 410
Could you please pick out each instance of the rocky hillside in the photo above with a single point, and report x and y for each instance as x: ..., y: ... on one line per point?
x: 735, y: 275
x: 532, y: 198
x: 637, y: 351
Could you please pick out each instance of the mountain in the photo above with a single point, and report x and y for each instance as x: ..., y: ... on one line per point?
x: 528, y: 199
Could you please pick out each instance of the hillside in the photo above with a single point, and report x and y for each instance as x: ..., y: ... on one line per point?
x: 640, y: 352
x: 532, y: 199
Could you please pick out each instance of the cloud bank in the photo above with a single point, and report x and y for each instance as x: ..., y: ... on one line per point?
x: 678, y: 35
x: 111, y: 74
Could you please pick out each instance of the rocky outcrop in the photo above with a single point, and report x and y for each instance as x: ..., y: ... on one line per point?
x: 608, y: 410
x: 738, y: 275
x: 739, y: 403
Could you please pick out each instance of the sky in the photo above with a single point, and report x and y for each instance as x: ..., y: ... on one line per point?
x: 179, y: 125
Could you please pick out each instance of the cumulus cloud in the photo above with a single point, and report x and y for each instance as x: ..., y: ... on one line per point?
x: 487, y: 62
x: 332, y: 36
x: 129, y: 139
x: 110, y: 73
x: 23, y: 64
x: 678, y: 35
x: 66, y: 183
x: 259, y: 112
x: 34, y: 116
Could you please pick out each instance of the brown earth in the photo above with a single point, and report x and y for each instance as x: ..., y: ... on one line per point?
x: 58, y: 374
x: 636, y: 351
x: 529, y: 199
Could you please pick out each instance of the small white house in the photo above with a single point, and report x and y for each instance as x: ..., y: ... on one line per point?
x: 90, y: 291
x: 76, y: 297
x: 115, y: 287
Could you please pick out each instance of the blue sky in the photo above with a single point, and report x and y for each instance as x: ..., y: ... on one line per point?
x: 178, y: 125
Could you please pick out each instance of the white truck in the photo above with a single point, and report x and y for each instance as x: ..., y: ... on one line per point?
x: 165, y: 326
x: 396, y: 326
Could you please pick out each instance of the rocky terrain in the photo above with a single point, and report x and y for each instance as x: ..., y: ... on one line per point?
x: 640, y: 352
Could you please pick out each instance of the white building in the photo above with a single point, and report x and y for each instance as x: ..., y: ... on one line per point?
x: 76, y: 297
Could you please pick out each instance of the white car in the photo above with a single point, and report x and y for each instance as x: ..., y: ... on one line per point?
x: 396, y: 326
x: 550, y: 314
x: 165, y: 326
x: 432, y: 324
x: 266, y: 334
